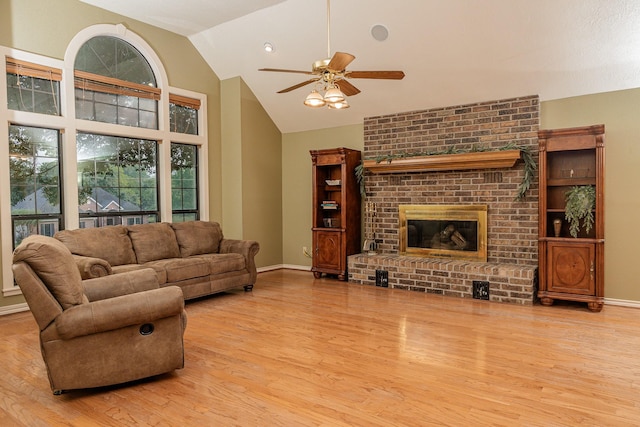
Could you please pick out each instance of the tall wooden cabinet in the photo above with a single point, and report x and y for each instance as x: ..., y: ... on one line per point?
x: 570, y: 268
x: 336, y: 210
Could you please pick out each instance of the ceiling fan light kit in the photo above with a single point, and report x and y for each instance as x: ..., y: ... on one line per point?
x: 315, y: 100
x: 331, y: 74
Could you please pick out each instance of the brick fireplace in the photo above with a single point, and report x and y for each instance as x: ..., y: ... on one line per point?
x: 512, y: 232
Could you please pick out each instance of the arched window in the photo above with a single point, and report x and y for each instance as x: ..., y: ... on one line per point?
x: 100, y: 133
x: 115, y: 84
x: 117, y: 179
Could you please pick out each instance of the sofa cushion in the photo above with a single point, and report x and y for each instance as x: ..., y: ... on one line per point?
x: 111, y: 243
x: 197, y: 237
x: 224, y: 263
x: 53, y: 263
x: 153, y: 241
x: 160, y: 271
x: 178, y: 269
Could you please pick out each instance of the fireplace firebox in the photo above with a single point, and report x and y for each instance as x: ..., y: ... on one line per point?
x: 444, y: 231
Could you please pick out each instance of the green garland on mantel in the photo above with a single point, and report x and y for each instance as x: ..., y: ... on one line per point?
x: 529, y: 163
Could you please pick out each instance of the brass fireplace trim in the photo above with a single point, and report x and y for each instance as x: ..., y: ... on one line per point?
x: 476, y: 213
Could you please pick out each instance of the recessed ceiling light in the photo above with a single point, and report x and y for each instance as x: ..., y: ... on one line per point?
x: 379, y: 32
x: 269, y: 47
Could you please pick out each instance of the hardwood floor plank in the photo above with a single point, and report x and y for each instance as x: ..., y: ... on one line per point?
x: 299, y: 351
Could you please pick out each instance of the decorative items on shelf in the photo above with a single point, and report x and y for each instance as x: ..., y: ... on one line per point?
x: 331, y: 222
x: 330, y: 205
x: 581, y: 201
x: 525, y: 154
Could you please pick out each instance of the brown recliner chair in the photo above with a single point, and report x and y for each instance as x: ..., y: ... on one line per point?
x: 103, y: 331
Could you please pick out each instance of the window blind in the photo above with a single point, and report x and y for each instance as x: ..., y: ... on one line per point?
x: 97, y: 83
x: 24, y: 68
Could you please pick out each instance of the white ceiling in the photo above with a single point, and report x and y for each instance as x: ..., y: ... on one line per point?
x: 452, y: 51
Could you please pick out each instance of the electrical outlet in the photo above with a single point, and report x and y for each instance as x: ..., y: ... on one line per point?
x: 305, y: 252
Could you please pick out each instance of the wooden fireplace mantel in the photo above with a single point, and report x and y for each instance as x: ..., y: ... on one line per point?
x: 438, y: 162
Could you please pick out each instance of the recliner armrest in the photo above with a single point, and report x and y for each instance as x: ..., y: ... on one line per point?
x: 120, y: 284
x: 119, y: 312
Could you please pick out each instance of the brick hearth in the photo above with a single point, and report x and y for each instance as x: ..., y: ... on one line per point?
x: 507, y: 282
x: 512, y: 226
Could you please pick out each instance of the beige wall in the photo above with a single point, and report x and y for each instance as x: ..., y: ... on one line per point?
x: 275, y: 170
x: 296, y: 183
x: 619, y: 112
x: 46, y: 28
x: 251, y: 172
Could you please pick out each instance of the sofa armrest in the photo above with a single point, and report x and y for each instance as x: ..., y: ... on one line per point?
x: 92, y: 267
x: 247, y: 248
x: 120, y: 312
x: 120, y: 284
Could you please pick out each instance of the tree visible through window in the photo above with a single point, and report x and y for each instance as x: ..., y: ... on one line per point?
x: 116, y: 179
x: 184, y: 182
x: 34, y: 168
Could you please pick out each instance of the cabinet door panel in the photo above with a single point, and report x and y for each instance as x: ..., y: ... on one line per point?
x: 571, y: 268
x: 328, y: 250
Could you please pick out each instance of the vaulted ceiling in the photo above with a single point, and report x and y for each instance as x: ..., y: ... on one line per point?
x: 452, y: 51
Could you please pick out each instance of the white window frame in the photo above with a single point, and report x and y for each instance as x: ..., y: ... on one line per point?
x: 69, y: 126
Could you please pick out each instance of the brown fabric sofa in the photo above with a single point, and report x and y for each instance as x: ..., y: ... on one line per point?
x: 102, y: 331
x: 193, y: 255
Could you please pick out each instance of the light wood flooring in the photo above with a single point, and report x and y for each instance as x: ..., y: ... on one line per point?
x: 304, y: 352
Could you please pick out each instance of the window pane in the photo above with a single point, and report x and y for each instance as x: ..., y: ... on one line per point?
x: 182, y: 217
x: 116, y: 177
x: 34, y: 171
x: 183, y: 119
x: 32, y: 94
x: 112, y: 57
x: 184, y: 183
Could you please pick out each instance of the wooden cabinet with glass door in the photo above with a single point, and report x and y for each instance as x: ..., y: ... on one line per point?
x: 571, y: 253
x: 336, y: 210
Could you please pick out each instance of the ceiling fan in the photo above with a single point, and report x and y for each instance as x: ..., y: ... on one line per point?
x: 332, y: 74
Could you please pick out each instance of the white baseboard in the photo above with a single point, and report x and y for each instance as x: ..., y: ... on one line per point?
x: 15, y: 308
x: 622, y: 302
x: 285, y: 266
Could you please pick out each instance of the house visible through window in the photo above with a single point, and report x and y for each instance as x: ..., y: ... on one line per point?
x: 34, y: 169
x: 116, y: 179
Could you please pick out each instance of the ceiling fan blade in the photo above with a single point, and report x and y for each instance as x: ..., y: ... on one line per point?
x: 280, y: 70
x: 340, y: 61
x: 294, y: 87
x: 392, y: 75
x: 347, y: 88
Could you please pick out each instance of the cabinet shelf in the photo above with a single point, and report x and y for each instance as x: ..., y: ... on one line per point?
x: 570, y: 182
x: 332, y: 188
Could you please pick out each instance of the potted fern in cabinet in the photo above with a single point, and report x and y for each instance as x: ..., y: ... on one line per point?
x: 571, y: 215
x: 336, y: 210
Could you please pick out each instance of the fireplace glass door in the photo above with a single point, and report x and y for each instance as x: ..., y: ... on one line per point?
x: 444, y: 231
